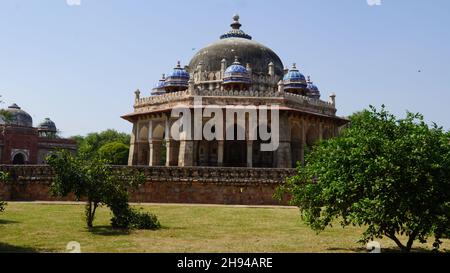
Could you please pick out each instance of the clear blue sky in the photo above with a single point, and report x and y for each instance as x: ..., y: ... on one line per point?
x: 79, y: 65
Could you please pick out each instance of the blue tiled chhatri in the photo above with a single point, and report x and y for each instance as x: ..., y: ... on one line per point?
x: 236, y: 73
x: 313, y: 90
x: 178, y: 78
x: 158, y: 89
x: 294, y: 79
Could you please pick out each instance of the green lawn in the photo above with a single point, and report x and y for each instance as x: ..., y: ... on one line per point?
x: 31, y: 227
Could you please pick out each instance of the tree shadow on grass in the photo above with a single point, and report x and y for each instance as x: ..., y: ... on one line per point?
x: 346, y: 250
x: 4, y: 222
x: 167, y: 227
x: 108, y: 231
x: 383, y: 250
x: 7, y: 248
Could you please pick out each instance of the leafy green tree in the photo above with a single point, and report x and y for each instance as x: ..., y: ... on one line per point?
x: 390, y: 176
x: 3, y: 178
x: 4, y: 115
x: 90, y: 145
x: 95, y: 181
x: 116, y: 153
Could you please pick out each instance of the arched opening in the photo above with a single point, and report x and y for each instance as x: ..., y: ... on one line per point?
x: 207, y: 153
x: 158, y: 146
x: 19, y: 159
x: 235, y: 151
x: 327, y: 134
x: 143, y: 148
x: 262, y: 159
x: 312, y: 136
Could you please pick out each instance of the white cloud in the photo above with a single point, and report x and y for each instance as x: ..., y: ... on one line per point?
x: 73, y: 2
x: 374, y: 2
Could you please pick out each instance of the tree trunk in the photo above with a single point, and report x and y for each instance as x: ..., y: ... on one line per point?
x: 90, y: 213
x: 411, y: 239
x: 397, y: 241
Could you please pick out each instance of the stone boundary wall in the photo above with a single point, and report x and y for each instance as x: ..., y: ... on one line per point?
x: 202, y: 185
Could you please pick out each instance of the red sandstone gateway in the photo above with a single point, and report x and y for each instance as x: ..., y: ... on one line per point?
x: 21, y: 143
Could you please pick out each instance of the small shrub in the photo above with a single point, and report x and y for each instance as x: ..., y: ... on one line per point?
x: 144, y: 220
x: 134, y: 219
x: 2, y: 206
x: 3, y: 178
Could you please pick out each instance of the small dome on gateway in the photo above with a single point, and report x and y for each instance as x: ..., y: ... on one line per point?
x: 18, y: 117
x: 47, y: 125
x: 294, y: 80
x: 177, y: 80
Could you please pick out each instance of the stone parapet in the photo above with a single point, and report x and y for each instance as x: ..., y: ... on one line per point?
x: 208, y: 185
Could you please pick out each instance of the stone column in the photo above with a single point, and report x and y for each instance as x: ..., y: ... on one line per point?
x: 150, y: 143
x: 249, y: 153
x: 132, y: 157
x: 220, y: 147
x: 169, y: 141
x: 186, y: 154
x: 169, y: 151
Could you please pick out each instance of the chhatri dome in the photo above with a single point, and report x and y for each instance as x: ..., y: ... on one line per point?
x: 47, y: 125
x: 47, y: 129
x: 313, y: 90
x: 236, y: 74
x: 237, y: 43
x: 294, y: 80
x: 177, y: 80
x: 18, y: 117
x: 159, y: 88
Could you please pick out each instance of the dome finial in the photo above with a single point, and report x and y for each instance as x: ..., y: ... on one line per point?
x: 235, y: 31
x: 178, y: 64
x: 236, y: 24
x: 309, y: 79
x: 294, y: 66
x: 236, y: 60
x: 14, y: 106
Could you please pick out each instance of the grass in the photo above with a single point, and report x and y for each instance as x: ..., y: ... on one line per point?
x: 32, y: 227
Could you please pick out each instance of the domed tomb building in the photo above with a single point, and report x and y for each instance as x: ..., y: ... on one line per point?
x: 233, y: 71
x: 23, y: 144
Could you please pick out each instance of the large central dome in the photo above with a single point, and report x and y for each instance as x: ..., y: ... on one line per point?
x: 233, y: 44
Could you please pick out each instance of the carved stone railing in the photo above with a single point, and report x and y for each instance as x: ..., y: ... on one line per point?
x: 301, y: 102
x: 305, y: 99
x: 162, y: 98
x: 236, y: 93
